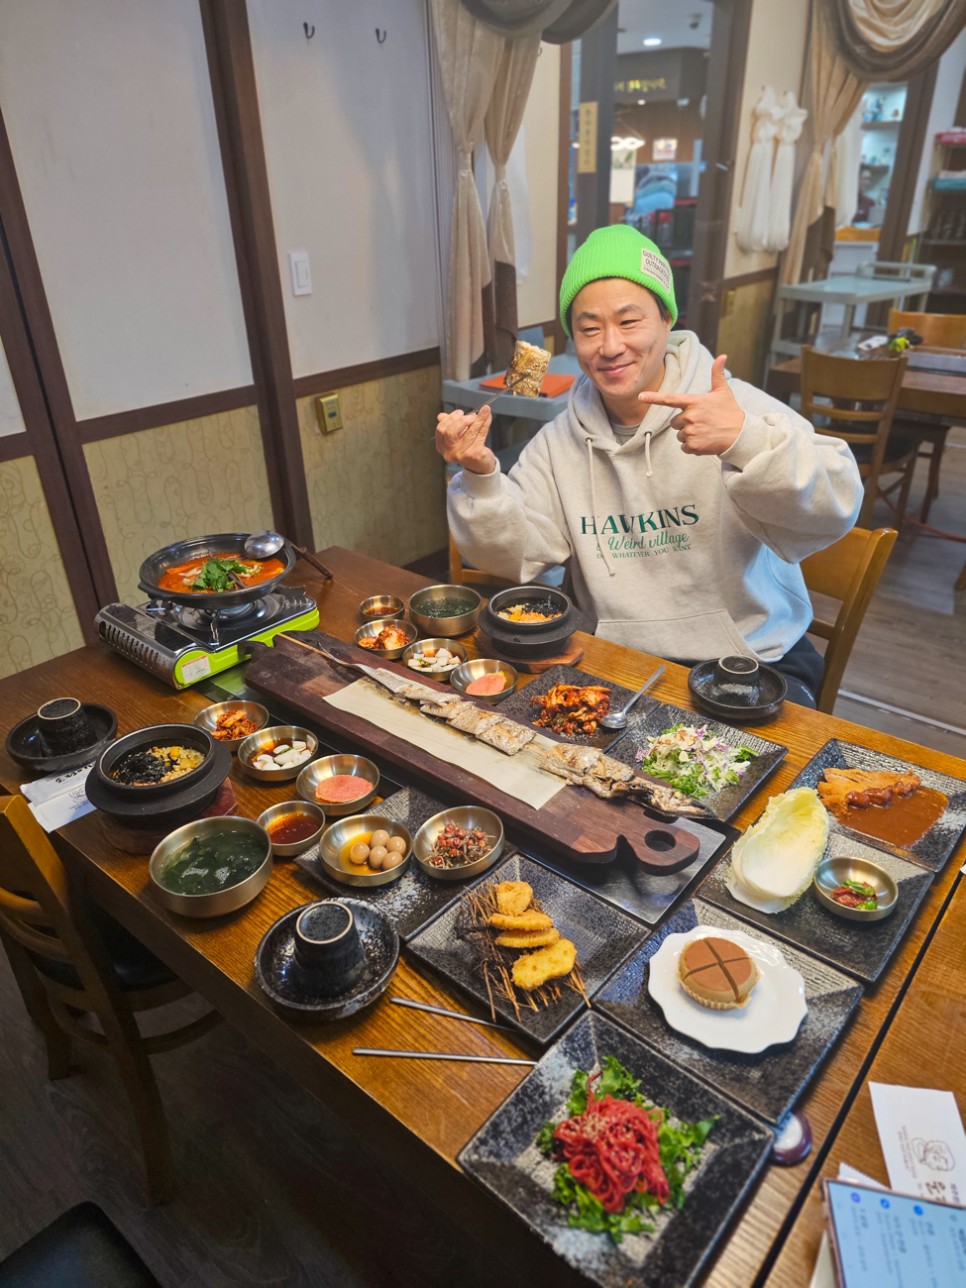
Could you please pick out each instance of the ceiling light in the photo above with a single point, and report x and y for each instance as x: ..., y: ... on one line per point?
x: 651, y: 42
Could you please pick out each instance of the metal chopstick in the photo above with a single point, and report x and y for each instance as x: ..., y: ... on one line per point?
x: 444, y: 1055
x: 453, y: 1015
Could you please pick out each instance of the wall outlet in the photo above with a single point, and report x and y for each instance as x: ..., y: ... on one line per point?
x: 298, y: 263
x: 328, y: 412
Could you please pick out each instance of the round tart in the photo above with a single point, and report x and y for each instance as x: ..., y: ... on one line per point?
x: 717, y: 973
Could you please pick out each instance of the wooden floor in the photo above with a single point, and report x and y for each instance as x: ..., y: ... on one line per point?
x: 272, y: 1189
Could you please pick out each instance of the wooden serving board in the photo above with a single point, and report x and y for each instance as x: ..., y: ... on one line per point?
x: 574, y: 822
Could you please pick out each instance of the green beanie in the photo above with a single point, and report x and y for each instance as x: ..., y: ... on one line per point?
x: 617, y: 251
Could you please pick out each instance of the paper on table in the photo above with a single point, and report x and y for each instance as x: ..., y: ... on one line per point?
x: 516, y: 775
x: 59, y: 798
x: 923, y: 1141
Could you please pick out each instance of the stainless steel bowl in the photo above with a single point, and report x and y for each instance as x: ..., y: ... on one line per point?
x: 467, y: 816
x: 423, y: 646
x: 464, y: 675
x: 447, y: 627
x: 831, y: 873
x: 221, y: 901
x: 374, y: 627
x: 328, y: 767
x: 338, y: 835
x: 255, y: 743
x: 381, y: 606
x: 208, y: 718
x: 286, y: 849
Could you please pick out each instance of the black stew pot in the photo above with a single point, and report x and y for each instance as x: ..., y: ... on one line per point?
x: 165, y: 735
x: 225, y: 543
x: 543, y: 598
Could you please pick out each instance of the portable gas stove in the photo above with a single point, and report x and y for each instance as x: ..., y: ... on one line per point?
x: 182, y: 644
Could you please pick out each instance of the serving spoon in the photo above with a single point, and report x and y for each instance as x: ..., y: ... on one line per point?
x: 618, y: 719
x: 262, y: 545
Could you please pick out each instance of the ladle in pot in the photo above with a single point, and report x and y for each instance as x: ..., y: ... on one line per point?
x: 262, y: 545
x: 618, y: 719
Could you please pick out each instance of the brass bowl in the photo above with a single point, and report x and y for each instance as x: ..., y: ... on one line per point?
x: 251, y: 746
x: 328, y: 767
x: 337, y: 835
x: 374, y: 627
x: 830, y: 873
x: 447, y: 627
x: 208, y: 718
x: 287, y: 849
x: 464, y: 675
x: 218, y: 902
x: 422, y: 646
x: 466, y: 816
x: 385, y: 606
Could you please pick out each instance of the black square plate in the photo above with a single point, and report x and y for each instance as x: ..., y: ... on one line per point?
x: 863, y: 948
x: 504, y: 1158
x: 941, y: 839
x: 768, y: 1083
x: 723, y: 804
x: 626, y: 885
x: 415, y: 898
x: 603, y: 937
x: 517, y: 707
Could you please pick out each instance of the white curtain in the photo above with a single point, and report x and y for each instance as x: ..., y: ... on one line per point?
x: 469, y: 55
x: 753, y: 218
x: 848, y: 158
x: 783, y: 175
x: 834, y: 93
x: 503, y: 118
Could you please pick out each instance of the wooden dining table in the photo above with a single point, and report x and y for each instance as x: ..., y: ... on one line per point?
x: 420, y: 1114
x: 926, y: 390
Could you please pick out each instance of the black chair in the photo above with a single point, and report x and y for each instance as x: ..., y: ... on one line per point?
x: 83, y: 1248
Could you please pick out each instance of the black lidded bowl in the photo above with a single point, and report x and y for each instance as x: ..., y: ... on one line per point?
x: 180, y: 735
x: 544, y: 597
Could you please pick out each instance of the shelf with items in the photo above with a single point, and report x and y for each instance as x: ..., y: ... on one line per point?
x: 943, y: 240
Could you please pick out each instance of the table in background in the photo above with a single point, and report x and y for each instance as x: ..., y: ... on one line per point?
x: 418, y: 1114
x: 927, y: 390
x: 849, y: 290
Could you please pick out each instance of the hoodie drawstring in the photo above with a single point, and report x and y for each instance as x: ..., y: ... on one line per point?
x: 601, y: 550
x: 647, y: 453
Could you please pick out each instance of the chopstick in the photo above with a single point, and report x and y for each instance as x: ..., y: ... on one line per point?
x: 444, y: 1055
x: 454, y: 1015
x: 508, y: 387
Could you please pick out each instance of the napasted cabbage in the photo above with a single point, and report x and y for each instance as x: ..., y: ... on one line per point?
x: 773, y: 863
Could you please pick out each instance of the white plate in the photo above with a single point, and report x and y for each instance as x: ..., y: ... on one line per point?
x: 772, y: 1015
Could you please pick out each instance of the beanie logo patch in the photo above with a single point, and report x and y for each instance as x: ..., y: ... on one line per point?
x: 656, y: 266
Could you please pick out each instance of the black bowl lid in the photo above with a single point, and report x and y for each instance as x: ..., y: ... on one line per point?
x: 708, y: 696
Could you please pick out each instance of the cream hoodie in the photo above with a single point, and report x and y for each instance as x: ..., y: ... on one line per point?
x: 690, y: 557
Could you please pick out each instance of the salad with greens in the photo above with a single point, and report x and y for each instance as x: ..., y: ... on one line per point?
x: 693, y: 760
x: 619, y: 1155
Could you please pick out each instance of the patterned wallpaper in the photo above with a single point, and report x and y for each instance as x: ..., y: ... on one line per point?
x: 376, y: 485
x: 179, y: 481
x: 38, y: 620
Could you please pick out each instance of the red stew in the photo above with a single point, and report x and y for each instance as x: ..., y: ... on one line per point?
x: 181, y: 576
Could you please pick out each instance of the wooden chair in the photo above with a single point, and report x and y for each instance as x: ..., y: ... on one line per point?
x: 941, y: 331
x: 74, y: 966
x: 848, y: 572
x: 855, y: 399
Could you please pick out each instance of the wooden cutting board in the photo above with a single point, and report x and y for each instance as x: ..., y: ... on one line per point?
x: 575, y: 822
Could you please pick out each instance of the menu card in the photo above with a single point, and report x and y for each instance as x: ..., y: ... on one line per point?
x: 923, y: 1141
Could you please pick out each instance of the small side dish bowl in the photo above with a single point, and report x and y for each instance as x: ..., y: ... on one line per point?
x: 212, y: 831
x: 425, y: 649
x: 338, y: 839
x: 831, y: 873
x: 466, y: 817
x: 386, y: 606
x: 373, y: 628
x: 298, y: 816
x: 461, y: 604
x: 337, y: 767
x: 263, y: 741
x: 208, y: 719
x: 464, y: 676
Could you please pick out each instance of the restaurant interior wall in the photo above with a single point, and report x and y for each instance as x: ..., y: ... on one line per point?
x: 109, y: 110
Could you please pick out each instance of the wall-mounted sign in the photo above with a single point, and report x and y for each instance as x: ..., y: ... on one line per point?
x: 660, y: 76
x: 665, y: 149
x: 587, y: 139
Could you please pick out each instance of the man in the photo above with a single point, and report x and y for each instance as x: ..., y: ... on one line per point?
x: 683, y: 499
